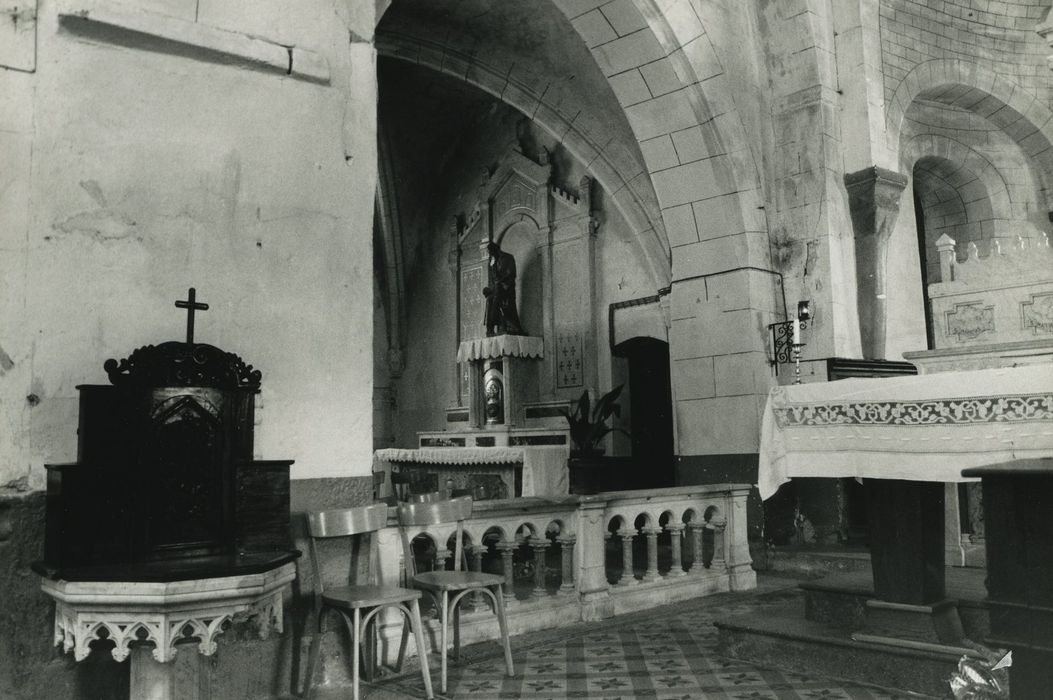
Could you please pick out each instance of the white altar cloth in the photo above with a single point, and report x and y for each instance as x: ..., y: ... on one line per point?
x: 923, y: 428
x: 544, y: 466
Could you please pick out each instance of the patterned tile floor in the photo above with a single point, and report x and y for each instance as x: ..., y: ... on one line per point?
x: 667, y: 653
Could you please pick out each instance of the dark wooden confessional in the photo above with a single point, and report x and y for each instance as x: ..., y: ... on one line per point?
x: 165, y: 487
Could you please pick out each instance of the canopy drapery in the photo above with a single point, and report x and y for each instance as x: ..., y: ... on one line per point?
x: 921, y: 428
x: 498, y: 346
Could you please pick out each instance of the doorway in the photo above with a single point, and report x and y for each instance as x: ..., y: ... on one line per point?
x: 650, y: 410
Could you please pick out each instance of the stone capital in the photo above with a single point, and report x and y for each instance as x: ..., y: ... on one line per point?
x: 873, y: 194
x: 873, y: 201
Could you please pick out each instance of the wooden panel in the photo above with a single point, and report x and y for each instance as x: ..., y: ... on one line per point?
x: 262, y: 506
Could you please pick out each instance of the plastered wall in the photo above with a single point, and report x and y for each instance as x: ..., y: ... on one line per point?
x: 130, y: 174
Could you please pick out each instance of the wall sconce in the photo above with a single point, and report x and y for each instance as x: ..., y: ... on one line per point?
x: 786, y: 339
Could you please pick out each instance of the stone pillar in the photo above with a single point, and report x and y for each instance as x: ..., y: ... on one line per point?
x: 540, y: 546
x: 945, y: 249
x: 675, y: 531
x: 873, y: 198
x: 952, y: 527
x: 182, y: 678
x: 628, y: 577
x: 508, y: 550
x: 735, y: 547
x: 591, y: 579
x: 652, y: 553
x: 566, y: 547
x: 719, y: 545
x: 695, y: 533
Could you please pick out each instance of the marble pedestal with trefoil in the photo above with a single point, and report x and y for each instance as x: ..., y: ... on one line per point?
x: 149, y: 620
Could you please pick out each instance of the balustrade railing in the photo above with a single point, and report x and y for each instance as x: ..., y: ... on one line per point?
x: 587, y: 557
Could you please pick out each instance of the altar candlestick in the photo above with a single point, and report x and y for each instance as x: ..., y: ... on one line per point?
x: 796, y: 332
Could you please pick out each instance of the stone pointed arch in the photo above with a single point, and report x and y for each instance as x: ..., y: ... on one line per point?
x: 663, y: 68
x: 628, y: 190
x: 666, y: 73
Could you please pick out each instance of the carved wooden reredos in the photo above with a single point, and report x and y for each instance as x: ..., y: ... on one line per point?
x: 550, y: 230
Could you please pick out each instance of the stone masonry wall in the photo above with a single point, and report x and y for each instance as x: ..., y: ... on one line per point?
x: 997, y: 33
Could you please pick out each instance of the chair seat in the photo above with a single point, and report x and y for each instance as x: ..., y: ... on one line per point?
x: 367, y: 596
x: 456, y: 580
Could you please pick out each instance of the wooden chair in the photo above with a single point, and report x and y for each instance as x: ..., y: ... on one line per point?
x: 358, y: 605
x: 441, y: 585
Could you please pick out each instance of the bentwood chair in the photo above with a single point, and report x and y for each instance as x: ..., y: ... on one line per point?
x: 448, y: 588
x: 358, y: 605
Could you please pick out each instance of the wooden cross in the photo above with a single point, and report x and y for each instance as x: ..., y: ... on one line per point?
x: 191, y: 306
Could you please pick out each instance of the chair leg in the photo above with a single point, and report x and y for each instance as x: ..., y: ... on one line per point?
x: 457, y: 631
x: 422, y: 652
x: 369, y: 649
x: 444, y: 614
x: 312, y: 657
x: 502, y: 622
x: 402, y: 644
x: 356, y: 642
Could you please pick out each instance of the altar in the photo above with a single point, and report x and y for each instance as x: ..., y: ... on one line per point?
x: 923, y: 428
x: 486, y: 472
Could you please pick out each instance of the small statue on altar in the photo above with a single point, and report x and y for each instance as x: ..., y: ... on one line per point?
x: 501, y: 314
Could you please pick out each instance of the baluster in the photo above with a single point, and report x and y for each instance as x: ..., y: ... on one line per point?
x: 652, y: 554
x: 508, y: 550
x: 675, y: 531
x: 719, y: 562
x: 697, y: 566
x: 441, y: 555
x: 566, y: 545
x: 540, y: 545
x: 628, y: 577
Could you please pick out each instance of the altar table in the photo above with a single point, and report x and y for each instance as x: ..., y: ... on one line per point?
x: 541, y: 470
x: 915, y: 428
x: 905, y: 435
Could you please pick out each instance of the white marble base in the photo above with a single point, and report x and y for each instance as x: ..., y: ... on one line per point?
x: 163, y: 613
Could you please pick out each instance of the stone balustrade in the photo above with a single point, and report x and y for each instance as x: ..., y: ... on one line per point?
x: 581, y: 558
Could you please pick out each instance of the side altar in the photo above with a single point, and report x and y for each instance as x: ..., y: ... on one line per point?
x: 523, y: 258
x: 489, y: 457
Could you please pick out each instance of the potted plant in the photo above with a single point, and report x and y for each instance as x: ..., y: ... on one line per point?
x: 588, y: 424
x: 590, y: 471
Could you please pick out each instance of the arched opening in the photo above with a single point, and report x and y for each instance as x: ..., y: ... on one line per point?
x: 467, y: 160
x: 949, y: 200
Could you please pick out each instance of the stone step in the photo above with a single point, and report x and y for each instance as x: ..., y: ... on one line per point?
x: 785, y: 639
x: 810, y: 562
x: 840, y: 600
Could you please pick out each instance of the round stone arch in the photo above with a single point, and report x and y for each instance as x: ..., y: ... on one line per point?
x: 975, y: 88
x: 966, y: 166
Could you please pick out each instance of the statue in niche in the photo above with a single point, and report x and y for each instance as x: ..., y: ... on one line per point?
x: 501, y: 314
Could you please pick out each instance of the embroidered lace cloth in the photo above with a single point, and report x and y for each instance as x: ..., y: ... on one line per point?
x: 923, y: 428
x: 544, y: 467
